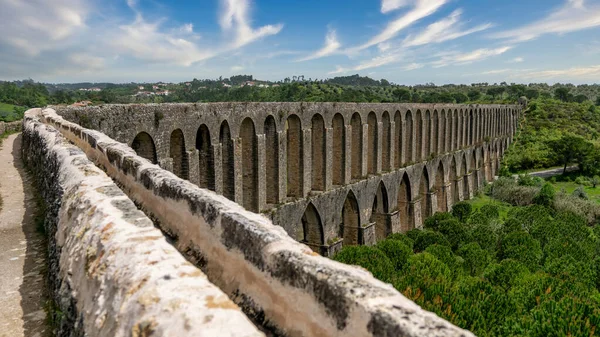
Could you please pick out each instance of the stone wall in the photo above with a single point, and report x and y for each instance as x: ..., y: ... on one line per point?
x: 112, y: 273
x: 10, y: 127
x: 290, y: 289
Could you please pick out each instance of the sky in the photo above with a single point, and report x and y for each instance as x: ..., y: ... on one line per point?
x: 404, y: 41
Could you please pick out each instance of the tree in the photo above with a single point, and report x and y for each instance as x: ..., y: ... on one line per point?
x: 459, y: 97
x: 474, y: 95
x: 568, y: 148
x: 598, y: 100
x: 562, y: 94
x: 532, y: 93
x: 580, y: 98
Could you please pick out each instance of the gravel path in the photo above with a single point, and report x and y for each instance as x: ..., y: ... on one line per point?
x: 22, y: 250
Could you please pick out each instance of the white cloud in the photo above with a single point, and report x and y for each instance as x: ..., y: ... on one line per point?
x: 413, y: 66
x: 372, y: 63
x: 495, y: 72
x: 470, y: 57
x: 187, y: 28
x: 573, y: 16
x: 331, y: 46
x: 421, y: 9
x: 517, y: 60
x: 575, y: 73
x: 444, y: 30
x: 237, y: 68
x: 235, y: 18
x: 391, y: 5
x: 91, y: 62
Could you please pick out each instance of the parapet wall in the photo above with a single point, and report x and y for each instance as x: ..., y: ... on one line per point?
x: 112, y: 273
x: 10, y: 127
x: 256, y: 263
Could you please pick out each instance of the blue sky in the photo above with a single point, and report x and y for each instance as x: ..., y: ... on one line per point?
x: 404, y: 41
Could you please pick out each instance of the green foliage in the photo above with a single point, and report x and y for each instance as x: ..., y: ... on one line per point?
x: 529, y: 180
x: 454, y: 231
x: 397, y: 251
x: 410, y: 243
x: 506, y: 273
x: 462, y: 211
x: 445, y: 255
x: 370, y: 258
x: 580, y: 193
x: 433, y: 221
x: 521, y: 246
x: 545, y: 196
x: 424, y: 269
x: 427, y: 238
x: 475, y: 258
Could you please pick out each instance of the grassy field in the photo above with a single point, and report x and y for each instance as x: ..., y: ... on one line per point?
x: 4, y: 107
x: 480, y: 200
x: 569, y: 187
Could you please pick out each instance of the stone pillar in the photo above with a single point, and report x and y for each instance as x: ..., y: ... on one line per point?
x: 282, y: 166
x: 449, y: 197
x: 307, y: 167
x: 395, y: 222
x: 379, y: 142
x: 218, y: 152
x: 367, y: 234
x: 365, y: 150
x: 393, y: 145
x: 348, y: 156
x: 416, y: 213
x: 238, y: 174
x: 261, y: 143
x: 460, y: 189
x: 193, y: 163
x: 403, y: 157
x: 469, y: 177
x: 328, y: 158
x: 432, y: 197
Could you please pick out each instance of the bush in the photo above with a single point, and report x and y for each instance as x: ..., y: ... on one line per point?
x: 512, y: 225
x: 475, y: 258
x: 413, y: 234
x: 569, y: 269
x: 545, y: 196
x: 590, y: 211
x: 486, y: 237
x: 433, y: 221
x: 580, y: 193
x: 506, y: 273
x: 529, y: 180
x: 490, y: 211
x: 584, y: 181
x: 462, y: 211
x: 402, y: 238
x: 445, y: 255
x: 370, y: 258
x: 428, y: 238
x: 521, y: 246
x: 425, y: 269
x: 396, y: 251
x: 454, y: 231
x: 507, y: 190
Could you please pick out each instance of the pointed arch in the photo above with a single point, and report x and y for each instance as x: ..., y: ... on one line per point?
x: 295, y: 157
x: 404, y: 204
x: 443, y: 131
x: 385, y: 142
x: 455, y: 131
x: 398, y: 139
x: 372, y: 143
x: 339, y: 149
x: 434, y: 147
x: 471, y: 136
x: 426, y: 135
x: 318, y: 153
x: 312, y: 228
x: 357, y: 145
x: 271, y: 160
x: 249, y: 165
x: 143, y: 145
x: 379, y: 213
x: 440, y: 189
x: 227, y: 161
x: 206, y: 163
x: 419, y: 136
x: 351, y: 221
x: 424, y: 194
x: 178, y: 154
x: 409, y: 136
x: 465, y: 181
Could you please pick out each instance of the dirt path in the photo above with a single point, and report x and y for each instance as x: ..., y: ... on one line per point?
x: 22, y: 250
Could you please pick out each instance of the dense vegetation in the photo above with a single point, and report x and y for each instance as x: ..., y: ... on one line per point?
x: 499, y: 269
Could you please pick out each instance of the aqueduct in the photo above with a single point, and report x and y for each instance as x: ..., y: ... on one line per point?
x: 329, y: 173
x: 140, y: 249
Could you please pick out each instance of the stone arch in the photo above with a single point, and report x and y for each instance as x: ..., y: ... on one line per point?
x: 357, y: 144
x: 206, y: 162
x: 295, y: 157
x: 227, y: 161
x: 408, y: 138
x: 178, y: 154
x: 379, y: 213
x: 471, y: 137
x: 474, y: 173
x: 454, y: 184
x: 249, y: 165
x: 398, y: 139
x: 312, y: 228
x: 351, y: 221
x: 419, y: 136
x: 405, y: 209
x: 385, y: 141
x: 434, y: 147
x: 455, y: 131
x: 488, y: 163
x: 318, y: 153
x: 271, y: 160
x: 424, y: 195
x: 440, y: 190
x: 426, y: 135
x: 372, y: 143
x: 143, y: 145
x: 443, y: 132
x: 465, y: 182
x: 339, y: 149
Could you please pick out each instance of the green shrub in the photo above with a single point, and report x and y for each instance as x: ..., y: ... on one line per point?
x: 462, y: 211
x: 475, y: 258
x: 413, y: 234
x: 433, y: 221
x: 580, y: 193
x: 529, y: 180
x: 583, y: 181
x: 490, y: 211
x: 454, y: 231
x: 506, y: 273
x: 428, y: 238
x: 486, y: 237
x: 425, y: 269
x: 396, y: 251
x: 521, y: 246
x: 512, y: 225
x: 569, y: 269
x: 507, y: 190
x: 370, y: 258
x: 545, y: 196
x: 402, y: 238
x: 445, y: 255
